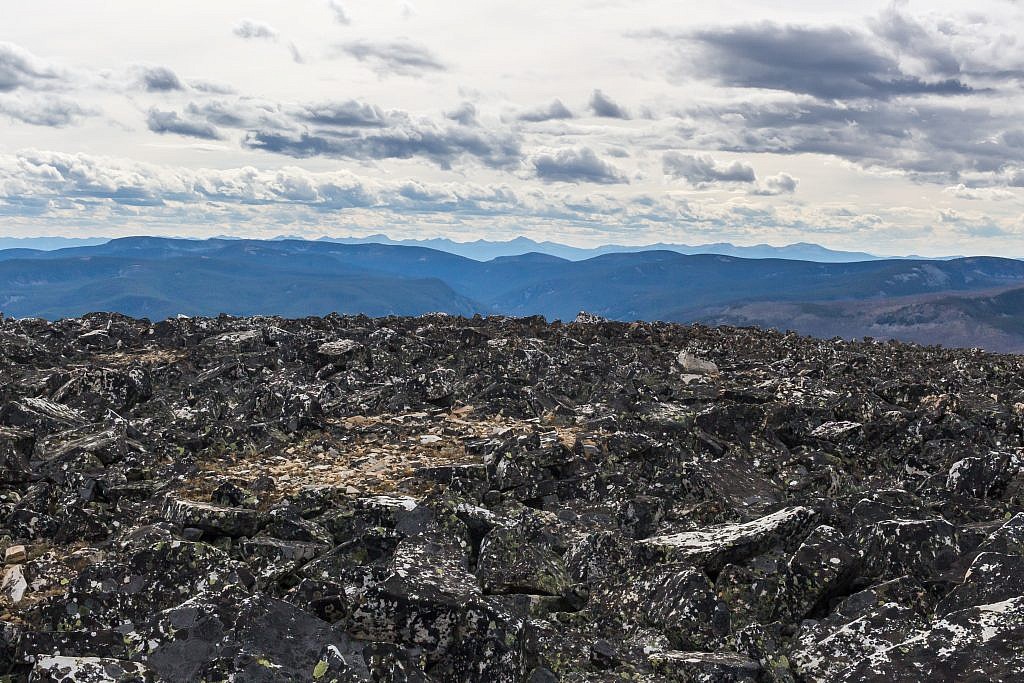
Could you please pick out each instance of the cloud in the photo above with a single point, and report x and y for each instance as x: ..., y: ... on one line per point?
x: 701, y: 170
x: 34, y: 176
x: 576, y: 165
x: 827, y: 62
x: 19, y: 68
x: 775, y: 185
x: 464, y: 114
x: 977, y: 225
x: 86, y: 177
x: 350, y: 113
x: 913, y: 40
x: 398, y: 58
x: 54, y: 112
x: 250, y: 29
x: 171, y: 122
x: 211, y: 87
x: 442, y: 145
x: 604, y: 106
x: 550, y: 112
x: 238, y: 113
x: 340, y: 15
x: 930, y: 141
x: 158, y: 79
x: 60, y: 191
x: 962, y: 191
x: 351, y: 129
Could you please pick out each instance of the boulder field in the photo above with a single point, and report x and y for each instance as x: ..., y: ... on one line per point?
x: 496, y: 499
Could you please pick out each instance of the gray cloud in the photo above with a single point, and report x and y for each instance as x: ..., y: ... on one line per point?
x: 908, y: 36
x: 602, y: 105
x: 350, y: 113
x: 825, y: 62
x: 357, y: 130
x: 171, y: 122
x: 701, y: 170
x: 464, y: 114
x: 399, y: 57
x: 340, y: 15
x: 441, y: 145
x: 54, y: 112
x: 775, y: 185
x: 577, y: 165
x: 550, y: 112
x: 934, y: 142
x: 159, y: 79
x: 20, y: 68
x: 237, y: 113
x: 211, y: 87
x: 251, y: 29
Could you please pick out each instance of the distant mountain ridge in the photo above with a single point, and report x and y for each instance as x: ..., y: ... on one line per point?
x: 50, y: 243
x: 160, y: 277
x: 485, y: 250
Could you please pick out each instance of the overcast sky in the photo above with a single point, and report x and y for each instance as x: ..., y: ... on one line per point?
x: 888, y: 127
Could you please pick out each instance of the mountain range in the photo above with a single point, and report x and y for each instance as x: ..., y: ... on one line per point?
x: 976, y: 301
x: 485, y: 250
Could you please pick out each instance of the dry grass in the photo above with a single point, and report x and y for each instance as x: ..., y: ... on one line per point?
x: 364, y: 455
x: 148, y: 357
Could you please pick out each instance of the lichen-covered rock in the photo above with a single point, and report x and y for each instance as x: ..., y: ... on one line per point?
x: 822, y: 567
x: 40, y: 415
x: 339, y: 349
x: 753, y: 597
x: 130, y: 588
x: 982, y: 476
x: 511, y: 562
x: 673, y: 598
x: 861, y: 625
x: 694, y: 365
x: 58, y: 669
x: 1008, y: 538
x: 978, y: 643
x: 420, y: 598
x: 924, y: 548
x: 15, y: 451
x: 705, y: 667
x: 272, y: 559
x: 245, y: 638
x: 992, y: 577
x: 713, y: 547
x: 216, y: 519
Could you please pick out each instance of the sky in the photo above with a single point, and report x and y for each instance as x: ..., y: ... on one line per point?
x: 895, y: 128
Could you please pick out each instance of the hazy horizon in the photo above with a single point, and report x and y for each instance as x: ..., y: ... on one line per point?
x: 431, y: 239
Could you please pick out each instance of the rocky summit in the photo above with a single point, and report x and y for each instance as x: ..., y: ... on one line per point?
x: 497, y: 499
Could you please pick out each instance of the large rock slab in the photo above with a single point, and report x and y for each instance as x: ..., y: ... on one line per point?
x: 713, y: 547
x: 216, y: 519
